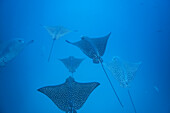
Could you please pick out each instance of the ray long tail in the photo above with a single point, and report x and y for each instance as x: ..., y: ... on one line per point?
x: 132, y: 101
x: 51, y: 51
x: 111, y: 84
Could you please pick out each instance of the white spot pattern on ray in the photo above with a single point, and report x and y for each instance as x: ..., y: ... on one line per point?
x: 123, y: 71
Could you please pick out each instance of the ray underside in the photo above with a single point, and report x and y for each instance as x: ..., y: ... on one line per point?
x: 74, y: 92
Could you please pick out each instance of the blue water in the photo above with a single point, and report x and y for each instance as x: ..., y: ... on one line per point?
x: 140, y: 32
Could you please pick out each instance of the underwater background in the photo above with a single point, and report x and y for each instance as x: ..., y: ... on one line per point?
x: 140, y: 31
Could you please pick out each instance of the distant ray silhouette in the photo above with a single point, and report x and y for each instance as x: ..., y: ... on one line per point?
x: 56, y: 32
x: 71, y: 63
x: 124, y: 72
x: 94, y: 48
x: 69, y: 96
x: 9, y: 49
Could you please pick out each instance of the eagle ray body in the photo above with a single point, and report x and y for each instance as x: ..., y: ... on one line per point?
x: 69, y: 96
x: 71, y: 63
x: 56, y: 31
x: 124, y: 72
x: 94, y: 48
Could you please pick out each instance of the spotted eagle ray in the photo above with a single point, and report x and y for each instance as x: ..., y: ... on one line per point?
x: 94, y: 48
x: 124, y: 72
x: 71, y: 63
x: 9, y: 49
x: 69, y: 96
x: 56, y: 32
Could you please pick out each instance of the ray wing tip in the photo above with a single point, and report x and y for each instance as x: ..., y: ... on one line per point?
x: 109, y: 33
x: 67, y: 41
x: 39, y: 89
x: 97, y: 83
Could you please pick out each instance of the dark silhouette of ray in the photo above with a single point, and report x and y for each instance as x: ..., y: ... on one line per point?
x: 94, y: 48
x: 124, y: 72
x: 71, y: 63
x: 69, y: 96
x: 56, y: 32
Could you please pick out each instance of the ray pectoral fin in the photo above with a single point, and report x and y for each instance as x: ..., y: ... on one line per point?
x: 100, y: 43
x: 109, y: 34
x: 131, y: 69
x: 73, y: 43
x: 51, y: 50
x: 68, y: 42
x: 39, y: 90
